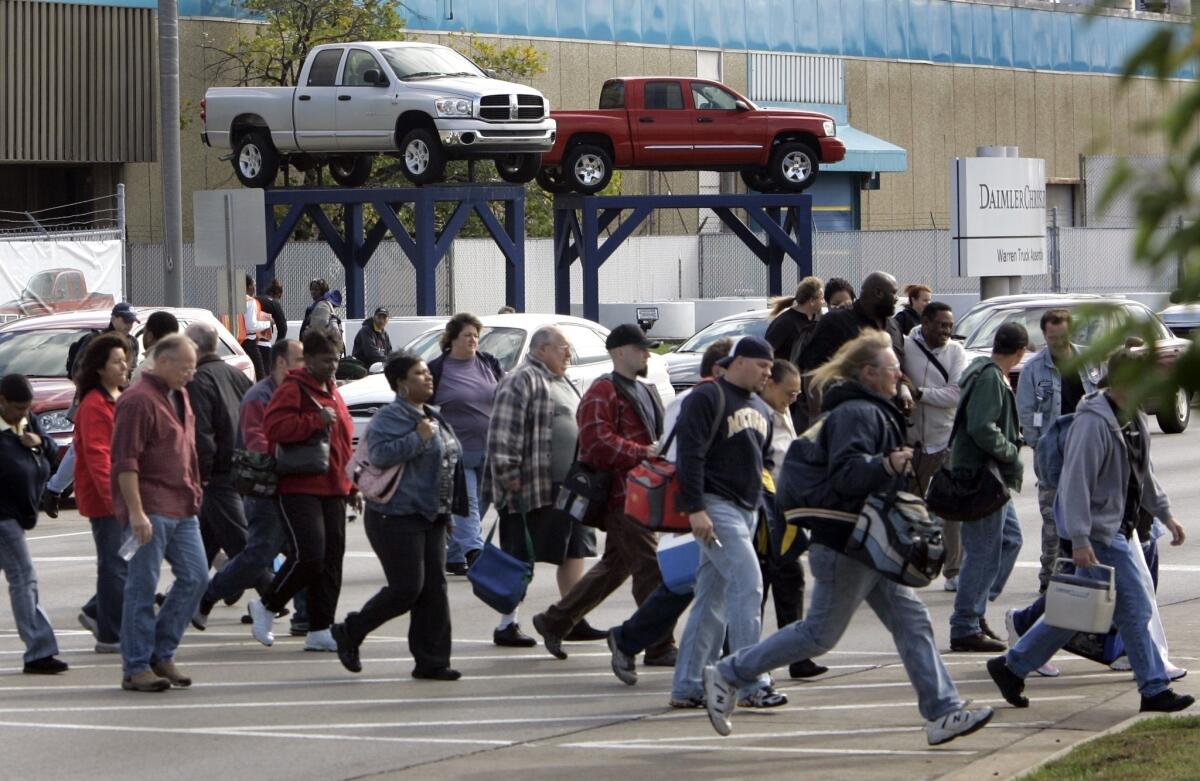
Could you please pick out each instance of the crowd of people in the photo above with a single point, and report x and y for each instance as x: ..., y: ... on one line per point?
x: 182, y: 458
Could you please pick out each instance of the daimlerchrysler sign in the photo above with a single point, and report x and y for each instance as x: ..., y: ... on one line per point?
x: 998, y: 216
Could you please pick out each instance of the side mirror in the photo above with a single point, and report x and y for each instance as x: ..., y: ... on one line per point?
x: 742, y: 105
x: 376, y: 368
x: 375, y: 77
x: 491, y: 73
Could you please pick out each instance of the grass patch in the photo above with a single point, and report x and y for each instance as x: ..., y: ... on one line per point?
x: 667, y: 346
x: 1159, y: 749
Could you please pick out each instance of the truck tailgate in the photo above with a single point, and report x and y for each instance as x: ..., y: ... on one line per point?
x: 269, y: 106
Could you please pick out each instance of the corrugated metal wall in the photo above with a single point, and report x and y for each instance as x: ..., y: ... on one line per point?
x: 797, y: 78
x: 77, y: 83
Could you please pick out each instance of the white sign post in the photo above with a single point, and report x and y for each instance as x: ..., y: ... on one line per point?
x: 998, y: 216
x: 230, y: 227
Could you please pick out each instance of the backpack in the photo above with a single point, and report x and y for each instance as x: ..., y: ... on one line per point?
x: 897, y: 537
x: 1051, y: 448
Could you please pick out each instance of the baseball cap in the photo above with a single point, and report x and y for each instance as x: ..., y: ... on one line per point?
x: 383, y: 311
x: 629, y: 334
x: 752, y: 347
x: 125, y: 312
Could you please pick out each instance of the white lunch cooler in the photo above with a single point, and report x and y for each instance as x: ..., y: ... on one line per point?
x: 1081, y: 603
x: 679, y: 558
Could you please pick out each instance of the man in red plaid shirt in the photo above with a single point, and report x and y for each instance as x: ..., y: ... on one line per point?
x: 620, y: 420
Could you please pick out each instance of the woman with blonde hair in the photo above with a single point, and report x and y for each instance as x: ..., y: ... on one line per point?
x: 854, y: 450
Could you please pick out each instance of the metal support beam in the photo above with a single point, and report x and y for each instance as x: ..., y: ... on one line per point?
x: 784, y: 219
x: 355, y: 244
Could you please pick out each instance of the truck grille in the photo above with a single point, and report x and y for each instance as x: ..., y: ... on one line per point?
x: 530, y: 107
x: 498, y: 108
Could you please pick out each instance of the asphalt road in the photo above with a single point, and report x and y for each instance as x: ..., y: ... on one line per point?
x: 284, y: 713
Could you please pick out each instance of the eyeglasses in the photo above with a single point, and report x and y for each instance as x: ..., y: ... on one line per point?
x: 894, y: 368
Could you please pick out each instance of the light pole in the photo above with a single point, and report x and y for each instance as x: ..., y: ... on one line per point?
x: 172, y: 190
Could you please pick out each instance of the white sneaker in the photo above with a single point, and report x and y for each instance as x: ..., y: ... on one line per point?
x: 1121, y: 664
x: 1048, y: 670
x: 261, y: 622
x: 951, y: 584
x: 1010, y: 625
x: 1175, y: 673
x: 321, y: 640
x: 720, y: 698
x: 956, y: 724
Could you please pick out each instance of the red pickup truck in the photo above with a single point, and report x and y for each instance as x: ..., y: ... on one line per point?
x: 54, y: 290
x: 665, y: 124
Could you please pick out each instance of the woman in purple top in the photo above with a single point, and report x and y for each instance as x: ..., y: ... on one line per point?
x: 464, y: 382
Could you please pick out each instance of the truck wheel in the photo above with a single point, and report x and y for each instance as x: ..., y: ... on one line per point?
x: 255, y: 159
x: 551, y: 180
x: 757, y: 179
x: 351, y: 170
x: 422, y: 156
x: 1176, y: 413
x: 793, y: 166
x: 588, y: 168
x: 518, y: 169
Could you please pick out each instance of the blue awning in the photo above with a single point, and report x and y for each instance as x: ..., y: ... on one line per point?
x: 864, y: 152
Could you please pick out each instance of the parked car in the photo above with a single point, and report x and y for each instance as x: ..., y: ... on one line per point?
x: 54, y: 290
x: 663, y: 124
x: 1182, y: 319
x: 38, y: 346
x: 423, y: 103
x: 507, y: 337
x: 966, y: 325
x: 683, y: 363
x: 1173, y: 414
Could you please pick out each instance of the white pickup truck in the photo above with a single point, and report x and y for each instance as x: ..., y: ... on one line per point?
x: 424, y: 103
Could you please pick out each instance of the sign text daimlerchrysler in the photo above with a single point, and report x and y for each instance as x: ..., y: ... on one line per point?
x: 998, y: 216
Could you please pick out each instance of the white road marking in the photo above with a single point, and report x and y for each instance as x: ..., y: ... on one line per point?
x: 851, y: 752
x: 56, y: 536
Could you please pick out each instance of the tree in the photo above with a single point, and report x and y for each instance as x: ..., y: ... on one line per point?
x: 1167, y: 210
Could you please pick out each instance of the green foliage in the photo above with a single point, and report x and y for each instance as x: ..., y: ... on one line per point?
x: 273, y: 53
x: 1166, y: 207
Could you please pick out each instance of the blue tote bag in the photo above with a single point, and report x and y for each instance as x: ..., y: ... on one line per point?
x: 498, y: 578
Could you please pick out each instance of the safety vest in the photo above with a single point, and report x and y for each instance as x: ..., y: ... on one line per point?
x: 241, y: 321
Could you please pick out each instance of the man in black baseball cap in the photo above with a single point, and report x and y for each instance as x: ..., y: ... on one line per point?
x: 125, y: 312
x: 628, y: 335
x: 372, y: 344
x: 750, y: 347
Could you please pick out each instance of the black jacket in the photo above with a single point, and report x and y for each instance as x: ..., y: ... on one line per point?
x: 489, y: 360
x: 371, y: 346
x: 907, y: 319
x: 840, y: 326
x: 272, y: 307
x: 23, y: 474
x: 790, y: 332
x: 841, y: 460
x: 216, y: 393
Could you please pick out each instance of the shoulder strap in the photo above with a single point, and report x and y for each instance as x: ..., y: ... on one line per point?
x: 716, y: 427
x: 932, y: 359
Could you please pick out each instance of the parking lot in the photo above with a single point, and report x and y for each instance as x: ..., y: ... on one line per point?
x: 285, y: 713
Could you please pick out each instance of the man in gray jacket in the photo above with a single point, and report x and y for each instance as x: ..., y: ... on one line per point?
x: 1107, y: 476
x: 1044, y: 392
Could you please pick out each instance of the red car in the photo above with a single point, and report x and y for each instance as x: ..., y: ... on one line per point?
x: 38, y: 346
x: 666, y: 123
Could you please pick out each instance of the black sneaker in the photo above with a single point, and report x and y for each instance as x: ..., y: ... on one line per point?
x: 347, y: 650
x: 806, y: 668
x: 50, y: 501
x: 440, y: 674
x: 511, y: 636
x: 583, y: 632
x: 47, y: 665
x: 987, y: 630
x: 977, y: 643
x: 1165, y: 701
x: 665, y: 659
x: 456, y: 568
x: 552, y: 641
x: 1009, y: 684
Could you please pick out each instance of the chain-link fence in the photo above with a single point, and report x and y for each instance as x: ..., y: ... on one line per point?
x: 666, y: 268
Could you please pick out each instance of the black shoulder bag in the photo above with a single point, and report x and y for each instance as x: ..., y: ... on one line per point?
x: 959, y: 495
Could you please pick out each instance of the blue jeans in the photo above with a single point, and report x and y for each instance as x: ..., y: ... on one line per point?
x: 111, y: 570
x: 147, y: 639
x: 65, y: 475
x: 728, y: 594
x: 33, y: 625
x: 1134, y: 609
x: 251, y: 566
x: 990, y: 547
x: 840, y: 584
x: 466, y: 531
x: 651, y: 621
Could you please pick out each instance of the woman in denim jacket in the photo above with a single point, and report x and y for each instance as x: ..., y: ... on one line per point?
x: 408, y: 533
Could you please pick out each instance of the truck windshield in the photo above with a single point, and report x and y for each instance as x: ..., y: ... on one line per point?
x: 427, y: 61
x: 39, y: 286
x: 38, y: 353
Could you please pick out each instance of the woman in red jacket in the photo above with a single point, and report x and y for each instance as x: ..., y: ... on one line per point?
x: 313, y: 507
x: 102, y: 372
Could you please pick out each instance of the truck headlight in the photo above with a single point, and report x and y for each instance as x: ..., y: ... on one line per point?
x: 55, y: 422
x: 830, y: 127
x: 453, y: 107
